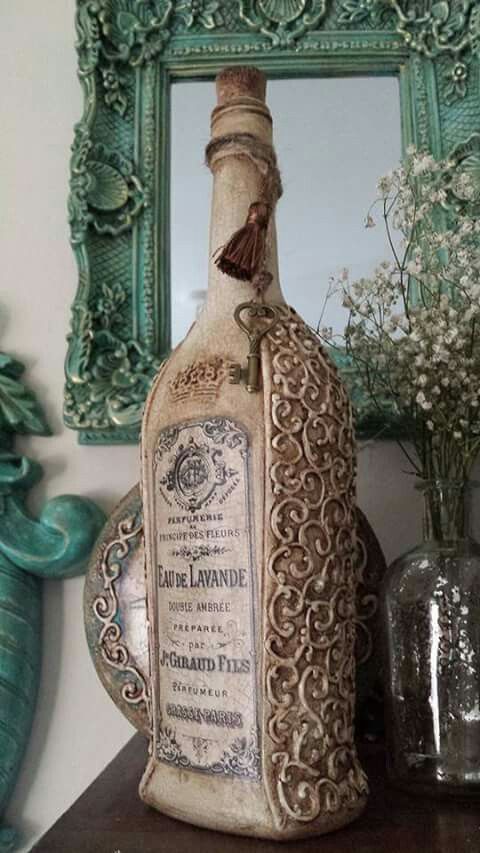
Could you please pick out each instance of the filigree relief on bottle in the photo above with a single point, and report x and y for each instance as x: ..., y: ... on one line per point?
x: 311, y: 581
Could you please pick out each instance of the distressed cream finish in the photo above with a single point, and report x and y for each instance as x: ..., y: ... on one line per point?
x: 302, y: 484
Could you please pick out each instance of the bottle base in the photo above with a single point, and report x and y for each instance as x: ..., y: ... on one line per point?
x: 208, y: 814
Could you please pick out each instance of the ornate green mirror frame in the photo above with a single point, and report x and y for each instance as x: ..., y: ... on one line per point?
x: 130, y: 51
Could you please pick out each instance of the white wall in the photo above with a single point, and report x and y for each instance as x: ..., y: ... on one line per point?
x: 77, y: 729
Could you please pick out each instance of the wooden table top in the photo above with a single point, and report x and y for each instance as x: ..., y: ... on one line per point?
x: 109, y: 817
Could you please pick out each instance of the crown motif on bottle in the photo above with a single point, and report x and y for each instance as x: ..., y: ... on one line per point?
x: 202, y: 379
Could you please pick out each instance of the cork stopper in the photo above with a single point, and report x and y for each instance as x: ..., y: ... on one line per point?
x: 240, y: 81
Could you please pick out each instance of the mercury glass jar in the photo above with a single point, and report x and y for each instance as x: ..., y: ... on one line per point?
x: 431, y: 613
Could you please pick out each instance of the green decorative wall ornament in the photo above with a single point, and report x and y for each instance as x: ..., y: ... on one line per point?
x: 56, y: 545
x: 130, y: 52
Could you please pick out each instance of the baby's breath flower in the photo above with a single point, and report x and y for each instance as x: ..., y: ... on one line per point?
x: 384, y: 185
x: 414, y: 327
x: 414, y: 268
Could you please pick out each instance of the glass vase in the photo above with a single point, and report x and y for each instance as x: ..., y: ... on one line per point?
x: 431, y: 614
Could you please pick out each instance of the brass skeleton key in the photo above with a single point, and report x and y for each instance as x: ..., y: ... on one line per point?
x: 263, y: 318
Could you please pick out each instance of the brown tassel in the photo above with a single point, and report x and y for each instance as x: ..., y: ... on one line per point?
x: 242, y: 257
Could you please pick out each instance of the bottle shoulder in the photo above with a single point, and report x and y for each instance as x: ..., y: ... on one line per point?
x: 200, y: 374
x: 429, y: 567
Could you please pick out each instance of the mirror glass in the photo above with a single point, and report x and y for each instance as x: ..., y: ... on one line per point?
x: 334, y: 138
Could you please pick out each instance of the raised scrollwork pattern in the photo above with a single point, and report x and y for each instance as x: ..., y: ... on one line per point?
x: 108, y: 368
x: 433, y: 28
x: 312, y: 573
x: 206, y: 13
x: 113, y: 648
x: 116, y: 33
x: 442, y: 28
x: 464, y: 160
x: 283, y: 21
x: 356, y: 12
x: 134, y: 31
x: 111, y: 387
x: 105, y: 192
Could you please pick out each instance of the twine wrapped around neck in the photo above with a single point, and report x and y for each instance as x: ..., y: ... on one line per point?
x: 243, y: 256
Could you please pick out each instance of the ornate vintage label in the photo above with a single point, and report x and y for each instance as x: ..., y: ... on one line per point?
x: 204, y: 561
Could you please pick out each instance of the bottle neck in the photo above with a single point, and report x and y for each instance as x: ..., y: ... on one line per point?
x: 237, y: 183
x: 446, y: 511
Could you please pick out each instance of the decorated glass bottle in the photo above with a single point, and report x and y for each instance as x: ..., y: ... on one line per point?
x: 249, y: 506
